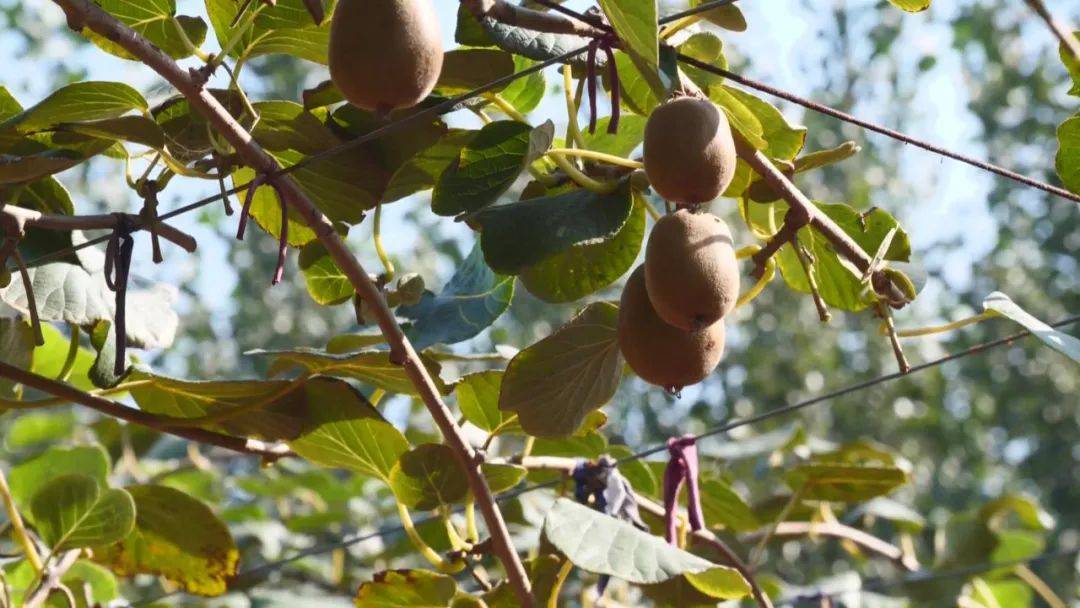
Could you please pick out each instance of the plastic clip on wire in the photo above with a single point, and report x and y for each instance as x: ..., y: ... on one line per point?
x: 682, y: 467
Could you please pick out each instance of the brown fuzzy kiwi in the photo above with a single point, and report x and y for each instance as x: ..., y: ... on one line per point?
x: 659, y: 353
x: 690, y: 269
x: 689, y: 151
x: 385, y: 54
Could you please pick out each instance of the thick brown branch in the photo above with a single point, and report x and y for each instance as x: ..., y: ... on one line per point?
x: 97, y: 20
x: 134, y: 416
x: 794, y: 220
x: 29, y: 218
x: 839, y: 531
x: 841, y: 241
x: 538, y: 21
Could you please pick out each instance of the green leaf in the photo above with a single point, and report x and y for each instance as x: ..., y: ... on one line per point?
x: 66, y: 292
x: 911, y: 6
x: 466, y: 69
x: 347, y: 432
x: 478, y: 399
x: 838, y: 281
x: 729, y: 16
x: 488, y: 165
x: 156, y: 21
x: 1017, y: 545
x: 584, y: 269
x: 33, y: 428
x: 1068, y: 155
x: 601, y: 544
x: 638, y: 94
x: 518, y: 235
x: 1072, y: 63
x: 720, y: 582
x: 16, y: 348
x: 325, y: 281
x: 135, y: 129
x: 351, y: 343
x: 844, y: 483
x: 406, y: 589
x: 743, y: 120
x: 423, y: 170
x: 46, y: 195
x: 502, y: 477
x: 902, y: 515
x: 177, y: 537
x: 428, y: 477
x: 722, y: 506
x: 29, y: 165
x: 553, y: 384
x: 370, y: 366
x: 637, y: 472
x: 630, y: 135
x: 785, y: 140
x: 705, y: 47
x: 281, y: 416
x: 29, y: 477
x: 321, y: 95
x: 1061, y: 342
x: 473, y: 299
x: 79, y: 101
x: 285, y: 27
x: 1026, y: 509
x: 635, y: 23
x: 525, y: 94
x: 73, y: 511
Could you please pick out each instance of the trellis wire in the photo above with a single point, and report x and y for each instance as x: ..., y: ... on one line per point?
x: 389, y: 530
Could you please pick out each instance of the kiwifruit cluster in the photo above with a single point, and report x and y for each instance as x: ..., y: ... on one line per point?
x: 385, y: 54
x: 671, y: 328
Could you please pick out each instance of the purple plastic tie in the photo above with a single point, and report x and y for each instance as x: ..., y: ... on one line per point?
x: 683, y: 466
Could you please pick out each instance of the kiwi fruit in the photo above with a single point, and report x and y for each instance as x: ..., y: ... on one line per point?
x: 659, y: 353
x: 689, y: 152
x: 690, y: 269
x: 385, y: 54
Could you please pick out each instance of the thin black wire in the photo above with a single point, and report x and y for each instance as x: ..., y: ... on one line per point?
x: 917, y: 578
x: 389, y: 530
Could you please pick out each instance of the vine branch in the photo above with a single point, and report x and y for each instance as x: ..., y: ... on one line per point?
x: 840, y: 531
x: 537, y: 21
x: 51, y: 579
x: 1063, y: 33
x: 99, y: 21
x: 22, y: 218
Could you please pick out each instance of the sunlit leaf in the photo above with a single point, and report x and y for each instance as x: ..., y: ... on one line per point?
x: 427, y: 477
x: 406, y: 589
x: 1061, y: 342
x: 74, y: 511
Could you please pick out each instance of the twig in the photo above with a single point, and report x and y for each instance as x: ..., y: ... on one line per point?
x: 1063, y: 33
x: 538, y: 21
x: 796, y: 200
x: 840, y: 531
x: 51, y: 579
x: 18, y: 530
x: 134, y: 416
x: 401, y: 350
x: 894, y: 339
x: 29, y: 218
x: 794, y: 220
x: 807, y: 263
x: 897, y: 135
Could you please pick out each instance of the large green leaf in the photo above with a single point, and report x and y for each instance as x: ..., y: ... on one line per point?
x: 427, y: 477
x: 722, y: 506
x: 844, y: 483
x: 325, y: 281
x: 135, y: 129
x: 16, y: 348
x: 423, y: 170
x: 46, y: 195
x: 177, y: 537
x: 785, y: 140
x: 346, y: 431
x: 525, y: 94
x: 406, y: 589
x: 478, y: 399
x: 583, y: 269
x: 1068, y: 155
x: 32, y: 160
x: 286, y: 27
x: 469, y: 303
x: 156, y: 21
x: 630, y: 135
x: 74, y: 511
x: 30, y: 476
x: 728, y: 16
x: 369, y: 366
x: 602, y: 544
x: 79, y: 101
x: 466, y: 69
x: 553, y: 384
x: 488, y: 165
x: 518, y: 235
x: 635, y: 23
x: 1059, y: 341
x: 281, y: 416
x: 33, y: 428
x: 1072, y: 63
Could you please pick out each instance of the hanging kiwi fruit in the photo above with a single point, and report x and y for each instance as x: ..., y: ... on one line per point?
x: 660, y: 353
x: 689, y: 153
x: 691, y: 272
x: 385, y: 54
